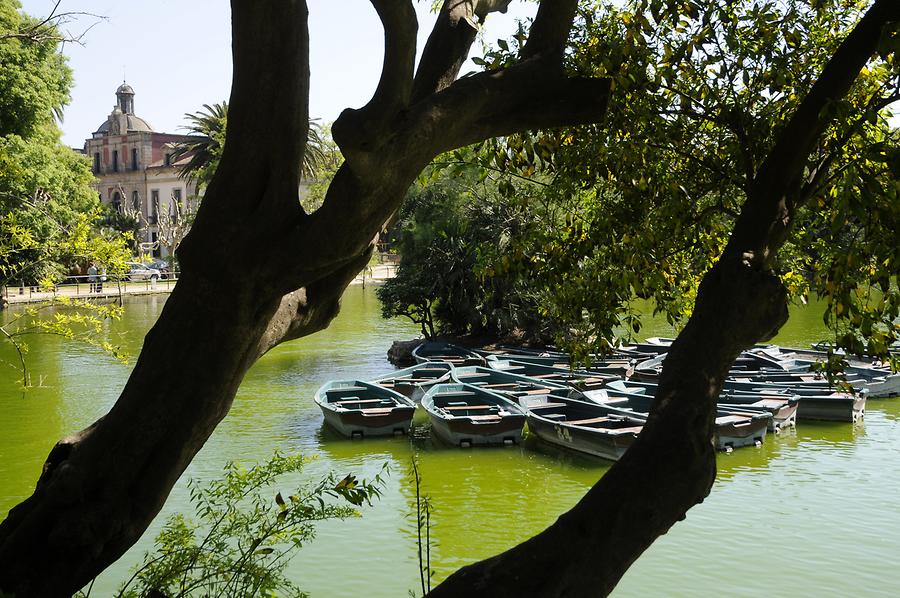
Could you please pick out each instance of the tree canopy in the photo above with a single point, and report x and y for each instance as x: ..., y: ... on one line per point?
x: 642, y: 205
x: 48, y: 210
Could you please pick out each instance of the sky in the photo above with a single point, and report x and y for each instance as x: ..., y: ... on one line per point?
x: 176, y: 54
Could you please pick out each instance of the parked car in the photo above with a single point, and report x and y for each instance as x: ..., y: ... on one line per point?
x: 162, y: 266
x: 138, y: 271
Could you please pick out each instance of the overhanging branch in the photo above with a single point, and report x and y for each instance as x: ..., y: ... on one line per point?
x: 398, y: 17
x: 765, y: 220
x: 449, y: 43
x: 550, y: 30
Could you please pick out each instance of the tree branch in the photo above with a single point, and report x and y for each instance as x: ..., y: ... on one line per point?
x: 550, y: 30
x: 311, y: 309
x: 764, y: 224
x: 395, y: 86
x: 448, y: 45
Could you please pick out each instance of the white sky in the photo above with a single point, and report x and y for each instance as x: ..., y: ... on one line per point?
x: 177, y: 56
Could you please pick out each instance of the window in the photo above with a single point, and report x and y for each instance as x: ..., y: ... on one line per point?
x: 135, y: 201
x: 115, y: 161
x: 168, y: 160
x: 117, y: 201
x: 97, y: 163
x: 154, y: 205
x: 134, y: 158
x: 175, y: 206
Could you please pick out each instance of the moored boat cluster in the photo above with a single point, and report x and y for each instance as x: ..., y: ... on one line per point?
x: 486, y: 398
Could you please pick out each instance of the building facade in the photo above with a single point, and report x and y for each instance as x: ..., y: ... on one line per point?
x: 137, y: 176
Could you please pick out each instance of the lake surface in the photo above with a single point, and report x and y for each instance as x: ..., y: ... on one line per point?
x: 811, y: 513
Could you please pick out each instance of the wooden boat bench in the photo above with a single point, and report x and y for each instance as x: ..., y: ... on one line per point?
x: 631, y: 430
x: 500, y: 385
x: 473, y: 407
x: 591, y: 420
x: 489, y: 417
x: 557, y: 417
x: 357, y: 400
x: 376, y: 410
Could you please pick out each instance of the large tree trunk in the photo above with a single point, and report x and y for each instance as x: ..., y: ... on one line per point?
x: 257, y: 270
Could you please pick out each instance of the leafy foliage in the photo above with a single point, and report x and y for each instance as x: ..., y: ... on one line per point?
x: 640, y: 206
x: 34, y: 78
x: 451, y: 236
x: 48, y: 210
x: 247, y: 532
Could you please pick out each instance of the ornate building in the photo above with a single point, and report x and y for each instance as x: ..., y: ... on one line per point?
x: 136, y: 174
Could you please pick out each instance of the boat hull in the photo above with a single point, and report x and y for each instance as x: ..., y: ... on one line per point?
x: 468, y: 432
x: 358, y: 424
x: 831, y: 408
x: 584, y: 440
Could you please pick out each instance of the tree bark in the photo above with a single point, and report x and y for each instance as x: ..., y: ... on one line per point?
x: 257, y: 270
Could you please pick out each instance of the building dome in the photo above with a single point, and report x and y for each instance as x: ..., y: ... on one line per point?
x: 123, y: 120
x: 134, y: 124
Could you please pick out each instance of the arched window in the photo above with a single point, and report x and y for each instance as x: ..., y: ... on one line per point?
x: 117, y: 201
x: 135, y: 201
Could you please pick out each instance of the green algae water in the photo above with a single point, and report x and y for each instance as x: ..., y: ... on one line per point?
x: 814, y: 512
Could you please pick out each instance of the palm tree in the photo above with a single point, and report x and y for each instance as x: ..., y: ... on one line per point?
x: 208, y: 128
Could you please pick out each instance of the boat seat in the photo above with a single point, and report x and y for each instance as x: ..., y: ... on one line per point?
x: 537, y: 391
x: 592, y: 420
x: 376, y: 410
x: 500, y: 385
x: 488, y: 417
x: 455, y: 393
x: 731, y: 419
x: 356, y: 400
x: 771, y: 403
x: 632, y: 429
x: 345, y: 389
x: 554, y: 416
x: 473, y: 407
x: 545, y: 405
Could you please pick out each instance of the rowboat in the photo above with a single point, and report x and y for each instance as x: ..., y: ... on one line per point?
x: 446, y: 352
x: 413, y: 381
x: 362, y: 409
x: 504, y: 383
x: 465, y: 415
x: 782, y: 405
x: 581, y: 426
x: 620, y: 367
x: 580, y: 379
x: 734, y: 428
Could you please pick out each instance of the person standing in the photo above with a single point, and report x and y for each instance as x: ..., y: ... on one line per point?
x: 92, y: 276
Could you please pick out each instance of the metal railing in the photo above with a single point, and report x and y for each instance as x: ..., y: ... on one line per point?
x: 85, y: 288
